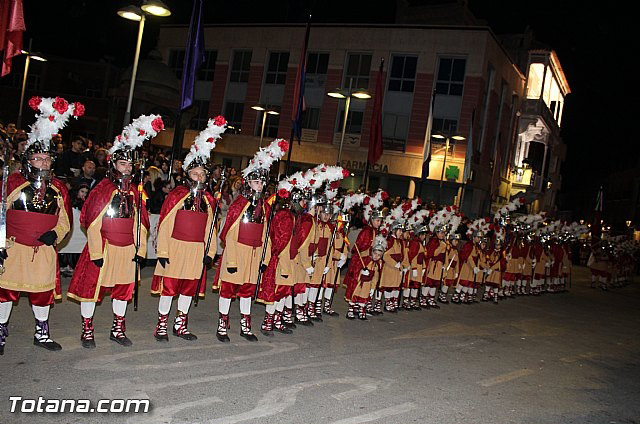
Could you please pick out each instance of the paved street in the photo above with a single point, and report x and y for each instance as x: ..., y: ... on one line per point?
x: 563, y: 358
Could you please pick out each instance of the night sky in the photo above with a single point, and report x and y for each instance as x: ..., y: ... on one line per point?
x: 591, y: 43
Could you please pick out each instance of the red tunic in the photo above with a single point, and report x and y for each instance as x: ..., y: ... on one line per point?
x: 361, y: 248
x: 280, y: 235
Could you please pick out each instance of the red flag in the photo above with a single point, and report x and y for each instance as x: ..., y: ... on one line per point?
x: 11, y: 29
x: 375, y: 136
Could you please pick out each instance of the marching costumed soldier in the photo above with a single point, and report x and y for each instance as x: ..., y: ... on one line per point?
x: 338, y: 256
x: 323, y: 232
x: 470, y: 256
x: 396, y: 260
x: 541, y: 263
x: 109, y: 217
x: 369, y: 274
x: 183, y: 230
x: 277, y: 279
x: 415, y: 255
x: 598, y: 264
x: 435, y: 255
x: 511, y: 248
x: 243, y: 234
x: 373, y: 214
x: 493, y: 268
x: 452, y: 261
x: 38, y: 216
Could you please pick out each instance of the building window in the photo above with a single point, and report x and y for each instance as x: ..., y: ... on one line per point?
x: 233, y: 114
x: 403, y: 73
x: 277, y: 68
x: 176, y: 62
x: 354, y: 122
x: 311, y: 118
x: 317, y: 63
x: 205, y: 73
x: 358, y: 69
x: 394, y: 131
x: 534, y: 82
x: 450, y: 76
x: 270, y: 126
x: 444, y: 126
x: 240, y: 66
x: 199, y: 121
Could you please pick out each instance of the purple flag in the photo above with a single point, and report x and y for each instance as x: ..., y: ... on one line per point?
x: 193, y: 56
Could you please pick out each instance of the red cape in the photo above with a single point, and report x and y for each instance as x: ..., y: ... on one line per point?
x: 280, y: 235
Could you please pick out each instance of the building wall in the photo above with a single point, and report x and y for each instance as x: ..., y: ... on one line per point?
x: 476, y: 44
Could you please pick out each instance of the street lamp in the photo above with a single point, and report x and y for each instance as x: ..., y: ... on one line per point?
x: 30, y: 55
x: 134, y: 13
x: 446, y: 150
x: 266, y: 110
x: 340, y: 93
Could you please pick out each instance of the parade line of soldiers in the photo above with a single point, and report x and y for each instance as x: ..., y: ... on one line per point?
x: 285, y: 251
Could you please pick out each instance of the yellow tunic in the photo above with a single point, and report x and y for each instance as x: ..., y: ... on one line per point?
x: 32, y: 269
x: 118, y: 266
x: 185, y: 257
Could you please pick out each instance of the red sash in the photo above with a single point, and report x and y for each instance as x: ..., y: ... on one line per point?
x: 27, y: 226
x: 118, y: 231
x: 396, y: 257
x: 321, y: 247
x: 250, y: 233
x: 439, y: 258
x: 189, y: 226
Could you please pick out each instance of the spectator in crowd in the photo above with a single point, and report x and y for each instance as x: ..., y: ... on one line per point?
x: 100, y: 159
x: 71, y: 161
x: 151, y: 176
x: 164, y: 167
x: 19, y: 143
x: 214, y: 179
x: 162, y: 188
x: 86, y: 176
x: 232, y: 171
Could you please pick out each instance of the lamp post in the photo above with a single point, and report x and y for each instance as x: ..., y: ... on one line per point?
x: 340, y: 93
x: 444, y: 162
x: 266, y: 110
x: 134, y: 13
x: 30, y: 55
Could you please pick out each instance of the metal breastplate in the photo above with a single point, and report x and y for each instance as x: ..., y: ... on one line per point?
x: 249, y: 213
x: 121, y: 206
x: 195, y: 201
x: 43, y: 200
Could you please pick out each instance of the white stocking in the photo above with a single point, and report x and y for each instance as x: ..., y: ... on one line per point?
x: 41, y: 313
x: 87, y: 309
x: 223, y: 305
x: 164, y: 305
x: 119, y: 307
x: 245, y: 305
x: 184, y: 303
x: 5, y: 311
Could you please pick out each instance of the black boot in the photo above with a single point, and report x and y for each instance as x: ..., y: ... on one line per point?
x: 161, y: 328
x: 245, y: 328
x: 118, y: 329
x: 180, y: 328
x: 4, y: 332
x: 223, y: 328
x: 87, y: 338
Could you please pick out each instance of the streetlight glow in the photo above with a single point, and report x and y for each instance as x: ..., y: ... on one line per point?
x: 156, y: 8
x: 361, y: 95
x: 336, y: 95
x: 131, y: 13
x: 257, y: 107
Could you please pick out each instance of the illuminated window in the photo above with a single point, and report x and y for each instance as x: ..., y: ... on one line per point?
x: 534, y: 84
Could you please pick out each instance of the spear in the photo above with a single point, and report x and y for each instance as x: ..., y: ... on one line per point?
x: 262, y: 268
x: 210, y: 236
x: 138, y: 225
